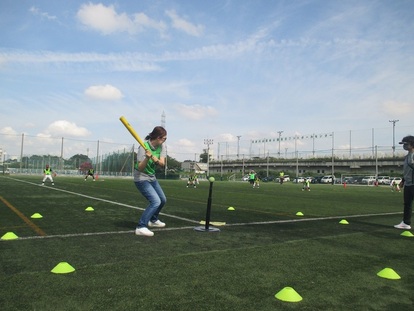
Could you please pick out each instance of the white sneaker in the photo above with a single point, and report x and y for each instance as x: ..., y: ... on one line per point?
x: 403, y: 225
x: 144, y: 231
x: 158, y: 224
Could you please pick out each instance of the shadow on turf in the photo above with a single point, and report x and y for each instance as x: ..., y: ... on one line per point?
x: 376, y: 229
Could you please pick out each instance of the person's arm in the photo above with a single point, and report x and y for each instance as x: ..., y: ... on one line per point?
x: 410, y: 160
x: 161, y: 160
x: 144, y: 161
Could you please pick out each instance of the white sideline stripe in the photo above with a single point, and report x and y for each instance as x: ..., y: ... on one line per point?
x: 185, y: 228
x: 70, y: 235
x: 311, y: 219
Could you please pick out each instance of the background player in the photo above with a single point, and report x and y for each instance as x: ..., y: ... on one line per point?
x: 90, y: 173
x: 192, y: 180
x: 47, y: 174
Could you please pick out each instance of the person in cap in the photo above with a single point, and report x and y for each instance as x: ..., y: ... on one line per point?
x: 407, y: 182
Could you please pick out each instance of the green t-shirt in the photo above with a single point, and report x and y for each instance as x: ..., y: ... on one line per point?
x: 149, y: 171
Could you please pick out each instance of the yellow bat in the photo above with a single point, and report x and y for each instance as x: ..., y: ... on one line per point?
x: 132, y: 131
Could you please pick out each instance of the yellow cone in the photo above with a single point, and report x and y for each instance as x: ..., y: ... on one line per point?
x: 407, y: 234
x: 344, y: 222
x: 231, y: 208
x: 89, y: 209
x: 288, y: 294
x: 299, y: 214
x: 36, y: 215
x: 388, y: 273
x: 9, y: 236
x: 63, y: 267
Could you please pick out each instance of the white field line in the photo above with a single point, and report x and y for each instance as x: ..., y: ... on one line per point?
x: 181, y: 218
x: 311, y: 219
x: 104, y: 200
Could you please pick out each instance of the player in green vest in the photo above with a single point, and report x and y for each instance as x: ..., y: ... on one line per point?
x: 252, y: 176
x: 47, y: 174
x: 192, y: 179
x: 90, y: 173
x: 306, y: 184
x: 154, y: 155
x: 281, y: 177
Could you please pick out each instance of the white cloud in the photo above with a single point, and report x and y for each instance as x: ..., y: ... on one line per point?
x: 184, y: 142
x: 182, y: 146
x: 107, y: 20
x: 63, y: 127
x: 396, y: 109
x: 183, y: 25
x: 142, y: 20
x: 110, y: 62
x: 227, y: 137
x: 35, y: 11
x: 103, y: 92
x: 8, y: 131
x: 104, y: 19
x: 195, y: 112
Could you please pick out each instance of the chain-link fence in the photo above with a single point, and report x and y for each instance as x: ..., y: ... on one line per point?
x: 29, y: 154
x: 65, y: 155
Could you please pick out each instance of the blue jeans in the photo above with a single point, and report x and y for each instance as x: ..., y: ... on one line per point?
x: 152, y: 191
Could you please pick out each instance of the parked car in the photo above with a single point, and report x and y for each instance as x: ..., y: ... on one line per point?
x: 285, y: 178
x: 310, y: 178
x: 328, y: 179
x: 350, y: 180
x: 384, y: 180
x: 299, y: 180
x: 302, y: 179
x: 268, y: 178
x: 368, y: 180
x: 316, y: 180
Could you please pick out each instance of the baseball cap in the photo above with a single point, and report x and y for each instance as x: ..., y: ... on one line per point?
x: 408, y: 139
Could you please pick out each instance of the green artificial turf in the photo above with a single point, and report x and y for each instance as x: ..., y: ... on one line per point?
x: 263, y: 248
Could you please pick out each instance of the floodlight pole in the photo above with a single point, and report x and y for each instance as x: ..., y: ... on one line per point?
x: 238, y: 146
x: 333, y: 158
x: 393, y: 136
x: 280, y: 133
x: 208, y: 142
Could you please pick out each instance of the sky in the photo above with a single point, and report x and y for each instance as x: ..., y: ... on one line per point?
x: 235, y: 72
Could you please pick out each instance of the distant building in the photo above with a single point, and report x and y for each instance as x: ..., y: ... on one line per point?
x: 198, y: 168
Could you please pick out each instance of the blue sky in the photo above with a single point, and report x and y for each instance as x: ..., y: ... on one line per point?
x: 217, y: 69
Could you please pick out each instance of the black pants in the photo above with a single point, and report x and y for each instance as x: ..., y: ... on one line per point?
x: 408, y: 203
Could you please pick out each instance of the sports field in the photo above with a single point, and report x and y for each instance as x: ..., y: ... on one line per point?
x: 263, y: 248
